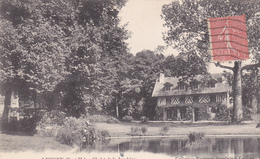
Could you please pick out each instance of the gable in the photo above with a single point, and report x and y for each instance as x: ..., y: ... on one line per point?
x: 173, y: 82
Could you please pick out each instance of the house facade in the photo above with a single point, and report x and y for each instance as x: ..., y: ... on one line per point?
x: 180, y: 99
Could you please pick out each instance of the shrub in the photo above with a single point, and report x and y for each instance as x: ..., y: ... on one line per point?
x: 25, y: 126
x: 128, y: 118
x: 159, y: 113
x: 50, y: 123
x: 102, y: 119
x: 164, y: 129
x: 247, y: 112
x: 144, y: 129
x: 195, y: 136
x: 70, y: 132
x: 203, y: 114
x: 223, y: 113
x: 134, y: 130
x: 28, y: 125
x: 78, y: 132
x: 188, y: 114
x: 144, y: 120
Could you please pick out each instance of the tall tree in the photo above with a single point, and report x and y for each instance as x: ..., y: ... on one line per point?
x: 32, y: 48
x: 98, y: 45
x: 48, y: 41
x: 187, y: 24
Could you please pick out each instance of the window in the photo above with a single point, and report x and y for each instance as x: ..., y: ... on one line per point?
x: 167, y: 86
x: 181, y: 86
x: 195, y: 85
x: 211, y: 84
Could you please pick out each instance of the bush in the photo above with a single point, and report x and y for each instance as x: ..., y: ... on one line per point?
x: 50, y: 123
x: 128, y: 118
x: 144, y: 129
x: 223, y: 113
x: 78, y: 132
x: 159, y: 113
x: 138, y: 131
x: 247, y: 112
x: 164, y: 129
x: 195, y: 136
x: 144, y: 120
x: 188, y: 114
x: 25, y: 126
x: 102, y: 119
x: 203, y: 114
x: 70, y: 133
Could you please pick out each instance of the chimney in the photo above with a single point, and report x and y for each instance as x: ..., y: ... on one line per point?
x: 161, y: 80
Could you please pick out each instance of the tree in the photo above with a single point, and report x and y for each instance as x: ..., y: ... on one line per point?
x: 72, y: 47
x: 98, y: 46
x: 186, y: 21
x: 32, y: 48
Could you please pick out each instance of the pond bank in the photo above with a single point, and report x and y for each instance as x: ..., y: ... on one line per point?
x: 182, y: 129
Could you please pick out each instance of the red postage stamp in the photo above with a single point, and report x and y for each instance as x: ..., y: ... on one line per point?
x: 228, y: 38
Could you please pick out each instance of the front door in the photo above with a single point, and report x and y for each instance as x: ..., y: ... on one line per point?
x: 196, y: 113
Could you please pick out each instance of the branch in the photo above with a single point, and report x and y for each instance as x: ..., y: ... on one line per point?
x: 222, y: 66
x: 251, y: 66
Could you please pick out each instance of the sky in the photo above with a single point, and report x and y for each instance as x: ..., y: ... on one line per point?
x: 146, y: 26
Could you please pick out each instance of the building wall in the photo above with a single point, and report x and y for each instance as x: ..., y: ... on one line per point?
x: 174, y: 105
x: 194, y: 100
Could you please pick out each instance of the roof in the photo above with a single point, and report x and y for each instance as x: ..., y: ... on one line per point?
x: 220, y: 87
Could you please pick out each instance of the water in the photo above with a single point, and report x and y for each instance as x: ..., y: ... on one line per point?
x: 221, y: 147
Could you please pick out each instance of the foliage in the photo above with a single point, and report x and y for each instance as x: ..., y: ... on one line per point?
x: 134, y: 130
x: 70, y: 131
x: 128, y: 118
x: 187, y: 23
x: 25, y: 126
x: 102, y: 119
x: 144, y: 129
x: 135, y: 90
x: 78, y: 132
x: 223, y: 113
x: 159, y: 113
x: 203, y: 114
x: 79, y: 44
x: 188, y: 115
x: 250, y: 89
x: 247, y: 113
x: 164, y: 129
x: 50, y: 123
x: 188, y: 32
x: 138, y: 131
x: 144, y: 120
x: 195, y: 136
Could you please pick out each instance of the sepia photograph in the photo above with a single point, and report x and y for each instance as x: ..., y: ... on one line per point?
x: 130, y: 79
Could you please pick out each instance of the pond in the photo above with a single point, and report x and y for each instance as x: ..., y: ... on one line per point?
x: 209, y: 147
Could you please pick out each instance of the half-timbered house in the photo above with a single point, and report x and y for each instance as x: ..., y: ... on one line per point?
x: 178, y: 98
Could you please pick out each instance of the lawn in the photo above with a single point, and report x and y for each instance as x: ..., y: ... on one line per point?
x: 22, y: 143
x: 124, y: 129
x: 18, y: 143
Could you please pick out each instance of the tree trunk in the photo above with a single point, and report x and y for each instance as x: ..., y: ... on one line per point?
x: 7, y: 104
x: 117, y: 111
x: 254, y: 95
x: 254, y: 104
x: 237, y: 89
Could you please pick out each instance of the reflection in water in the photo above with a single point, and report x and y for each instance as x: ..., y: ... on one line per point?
x: 208, y: 147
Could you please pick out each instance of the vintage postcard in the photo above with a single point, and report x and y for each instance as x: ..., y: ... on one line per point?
x: 129, y: 79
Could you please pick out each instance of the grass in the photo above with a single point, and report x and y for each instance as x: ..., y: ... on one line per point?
x: 17, y: 143
x: 122, y: 129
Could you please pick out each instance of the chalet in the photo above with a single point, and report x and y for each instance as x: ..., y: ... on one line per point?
x: 180, y: 99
